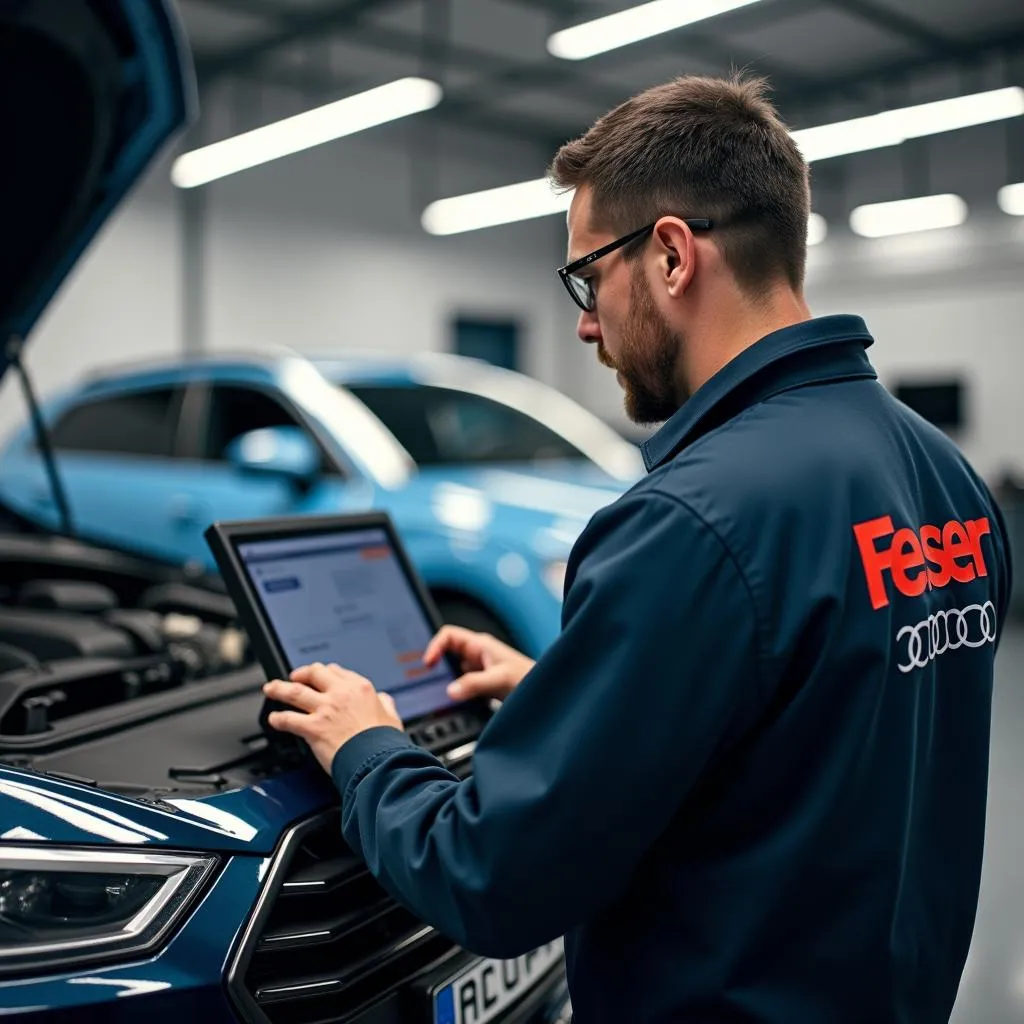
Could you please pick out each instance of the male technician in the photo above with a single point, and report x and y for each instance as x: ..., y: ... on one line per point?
x: 748, y: 780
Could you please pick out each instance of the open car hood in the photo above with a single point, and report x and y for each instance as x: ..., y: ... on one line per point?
x: 91, y: 91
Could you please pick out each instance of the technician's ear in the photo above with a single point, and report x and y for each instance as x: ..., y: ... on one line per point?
x: 677, y: 255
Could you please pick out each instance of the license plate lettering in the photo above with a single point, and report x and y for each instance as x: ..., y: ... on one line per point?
x: 488, y: 987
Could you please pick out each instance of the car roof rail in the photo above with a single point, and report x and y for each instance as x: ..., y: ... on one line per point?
x: 266, y: 353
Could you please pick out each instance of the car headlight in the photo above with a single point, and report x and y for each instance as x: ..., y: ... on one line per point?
x: 554, y: 577
x: 59, y: 906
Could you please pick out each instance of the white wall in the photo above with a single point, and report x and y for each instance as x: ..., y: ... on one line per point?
x: 324, y: 250
x: 322, y: 257
x: 943, y: 304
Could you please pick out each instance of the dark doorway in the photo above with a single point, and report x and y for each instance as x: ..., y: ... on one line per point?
x: 495, y: 341
x: 941, y: 402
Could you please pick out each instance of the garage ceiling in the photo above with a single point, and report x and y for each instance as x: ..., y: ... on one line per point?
x: 820, y: 55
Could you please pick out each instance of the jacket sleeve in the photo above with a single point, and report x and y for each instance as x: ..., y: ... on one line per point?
x: 655, y: 671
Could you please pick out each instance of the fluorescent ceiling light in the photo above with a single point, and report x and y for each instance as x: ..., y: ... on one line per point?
x: 634, y: 24
x: 817, y: 229
x: 522, y: 201
x: 906, y: 215
x: 891, y: 127
x: 312, y: 128
x: 1011, y: 199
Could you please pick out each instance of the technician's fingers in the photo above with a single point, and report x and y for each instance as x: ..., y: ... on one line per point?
x: 296, y: 722
x: 441, y: 641
x: 317, y: 675
x: 304, y: 698
x: 453, y: 639
x: 322, y: 677
x: 494, y: 682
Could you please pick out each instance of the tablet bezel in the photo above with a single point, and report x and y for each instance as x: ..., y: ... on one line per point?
x: 223, y: 538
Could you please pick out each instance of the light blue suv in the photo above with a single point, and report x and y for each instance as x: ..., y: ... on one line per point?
x: 489, y: 475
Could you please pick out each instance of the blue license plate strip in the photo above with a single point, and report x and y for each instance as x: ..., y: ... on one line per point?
x: 481, y: 992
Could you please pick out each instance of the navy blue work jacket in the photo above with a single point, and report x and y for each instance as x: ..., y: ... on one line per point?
x: 748, y: 780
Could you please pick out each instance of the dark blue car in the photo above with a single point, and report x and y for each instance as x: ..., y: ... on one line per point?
x: 158, y: 861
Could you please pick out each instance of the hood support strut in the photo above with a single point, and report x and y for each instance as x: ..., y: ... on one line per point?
x: 14, y: 348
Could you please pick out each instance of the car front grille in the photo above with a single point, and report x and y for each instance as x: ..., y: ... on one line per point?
x: 326, y: 943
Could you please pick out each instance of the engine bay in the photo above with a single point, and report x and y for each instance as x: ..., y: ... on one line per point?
x: 68, y: 647
x: 96, y: 642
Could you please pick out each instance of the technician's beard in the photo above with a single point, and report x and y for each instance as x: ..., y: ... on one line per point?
x: 648, y: 358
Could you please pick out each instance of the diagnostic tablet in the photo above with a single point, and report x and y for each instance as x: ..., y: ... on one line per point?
x: 335, y: 589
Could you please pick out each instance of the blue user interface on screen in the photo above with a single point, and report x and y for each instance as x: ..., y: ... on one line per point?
x: 345, y: 598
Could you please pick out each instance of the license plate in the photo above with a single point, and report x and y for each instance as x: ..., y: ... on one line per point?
x: 485, y: 988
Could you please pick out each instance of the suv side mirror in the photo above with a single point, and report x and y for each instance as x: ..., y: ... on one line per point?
x: 276, y: 451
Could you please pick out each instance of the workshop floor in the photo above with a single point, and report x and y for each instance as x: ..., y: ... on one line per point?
x: 992, y: 989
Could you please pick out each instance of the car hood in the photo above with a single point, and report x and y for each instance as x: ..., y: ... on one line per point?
x: 547, y: 504
x: 100, y: 87
x: 247, y: 819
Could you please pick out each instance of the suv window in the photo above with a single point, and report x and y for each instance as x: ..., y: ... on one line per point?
x: 234, y: 411
x: 439, y: 426
x: 140, y: 423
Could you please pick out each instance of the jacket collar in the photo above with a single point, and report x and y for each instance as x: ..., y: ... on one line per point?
x: 813, y: 352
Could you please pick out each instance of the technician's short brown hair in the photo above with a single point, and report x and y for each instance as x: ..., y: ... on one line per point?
x: 701, y: 147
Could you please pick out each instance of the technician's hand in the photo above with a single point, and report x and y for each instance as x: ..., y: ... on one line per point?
x: 332, y: 705
x: 492, y: 669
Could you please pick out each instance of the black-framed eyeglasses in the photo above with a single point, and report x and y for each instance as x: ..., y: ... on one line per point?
x: 582, y: 288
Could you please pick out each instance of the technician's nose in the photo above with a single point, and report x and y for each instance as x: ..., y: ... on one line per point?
x: 588, y: 328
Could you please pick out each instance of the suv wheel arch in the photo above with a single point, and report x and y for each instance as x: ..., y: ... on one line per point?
x: 459, y: 609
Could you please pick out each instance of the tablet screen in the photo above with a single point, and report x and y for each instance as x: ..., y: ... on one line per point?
x: 345, y: 598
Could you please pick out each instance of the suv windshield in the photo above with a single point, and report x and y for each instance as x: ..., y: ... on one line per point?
x: 444, y: 426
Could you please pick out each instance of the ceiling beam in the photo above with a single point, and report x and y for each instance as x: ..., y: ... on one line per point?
x: 493, y: 68
x: 999, y: 46
x: 545, y: 135
x: 898, y: 24
x: 290, y: 28
x: 565, y: 76
x: 566, y: 10
x: 708, y: 41
x: 568, y: 75
x: 469, y: 106
x: 425, y: 45
x: 729, y: 56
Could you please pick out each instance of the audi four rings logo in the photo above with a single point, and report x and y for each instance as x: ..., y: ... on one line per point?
x: 947, y: 630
